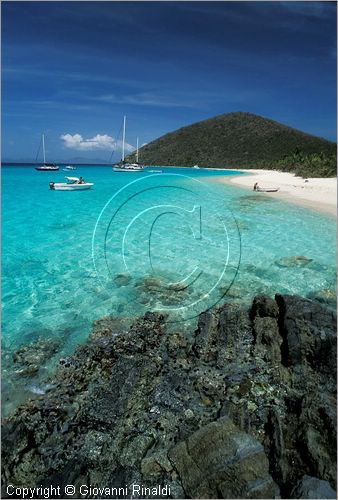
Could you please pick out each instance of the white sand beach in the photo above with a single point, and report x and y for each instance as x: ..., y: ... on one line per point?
x: 316, y: 193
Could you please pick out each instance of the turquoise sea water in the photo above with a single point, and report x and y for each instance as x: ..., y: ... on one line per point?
x: 170, y: 241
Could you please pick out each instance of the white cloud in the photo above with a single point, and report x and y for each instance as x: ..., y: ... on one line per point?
x: 105, y: 142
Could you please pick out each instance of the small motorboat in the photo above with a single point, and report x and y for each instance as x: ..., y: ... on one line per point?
x: 195, y: 166
x: 69, y: 167
x: 72, y: 184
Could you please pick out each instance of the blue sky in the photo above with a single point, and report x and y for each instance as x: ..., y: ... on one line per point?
x: 73, y: 69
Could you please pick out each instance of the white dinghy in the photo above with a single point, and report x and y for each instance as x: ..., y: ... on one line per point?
x: 73, y: 184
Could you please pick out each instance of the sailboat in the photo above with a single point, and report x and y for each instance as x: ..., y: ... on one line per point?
x: 124, y: 166
x: 46, y: 167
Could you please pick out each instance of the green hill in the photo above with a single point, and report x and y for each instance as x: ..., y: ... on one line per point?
x: 239, y: 140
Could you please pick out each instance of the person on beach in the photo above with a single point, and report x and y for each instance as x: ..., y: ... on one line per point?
x: 255, y: 186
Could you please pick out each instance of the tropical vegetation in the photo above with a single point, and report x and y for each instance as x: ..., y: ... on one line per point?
x: 306, y: 165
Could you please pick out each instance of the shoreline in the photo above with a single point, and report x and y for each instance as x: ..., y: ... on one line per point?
x: 316, y: 193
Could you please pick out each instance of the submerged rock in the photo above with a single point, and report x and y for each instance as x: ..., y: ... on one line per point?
x: 152, y: 290
x: 30, y: 359
x: 122, y: 279
x: 294, y: 261
x: 250, y: 199
x: 36, y: 353
x: 324, y: 296
x: 241, y: 407
x: 150, y: 283
x: 110, y: 326
x: 230, y: 292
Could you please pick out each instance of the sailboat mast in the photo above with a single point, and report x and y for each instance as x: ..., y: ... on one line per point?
x: 43, y: 148
x: 123, y: 136
x: 137, y: 150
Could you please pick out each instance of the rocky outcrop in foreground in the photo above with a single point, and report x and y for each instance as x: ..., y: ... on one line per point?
x: 244, y: 407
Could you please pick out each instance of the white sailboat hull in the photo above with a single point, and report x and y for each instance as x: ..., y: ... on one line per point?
x: 128, y: 169
x: 47, y: 169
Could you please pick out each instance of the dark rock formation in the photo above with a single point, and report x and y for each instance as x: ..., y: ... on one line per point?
x: 311, y: 487
x: 220, y: 461
x: 244, y: 407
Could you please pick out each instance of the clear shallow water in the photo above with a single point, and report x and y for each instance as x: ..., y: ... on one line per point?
x: 143, y: 241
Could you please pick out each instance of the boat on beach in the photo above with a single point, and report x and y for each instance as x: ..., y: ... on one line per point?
x: 72, y: 184
x: 267, y: 190
x: 46, y: 167
x: 124, y: 166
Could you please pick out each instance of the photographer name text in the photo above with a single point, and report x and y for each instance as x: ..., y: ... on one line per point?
x: 128, y: 491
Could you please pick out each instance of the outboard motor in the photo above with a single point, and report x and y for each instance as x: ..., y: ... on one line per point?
x: 51, y: 185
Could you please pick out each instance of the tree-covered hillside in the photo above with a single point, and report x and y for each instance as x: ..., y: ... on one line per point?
x: 240, y: 140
